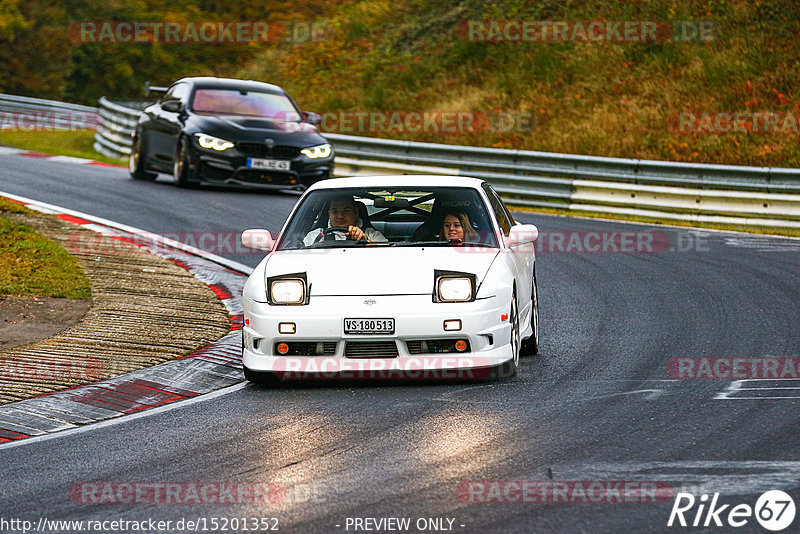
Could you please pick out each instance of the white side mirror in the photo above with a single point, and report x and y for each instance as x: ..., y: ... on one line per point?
x: 258, y: 239
x: 521, y: 234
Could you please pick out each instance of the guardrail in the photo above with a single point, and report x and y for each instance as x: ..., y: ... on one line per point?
x: 25, y: 113
x: 756, y: 197
x: 119, y: 120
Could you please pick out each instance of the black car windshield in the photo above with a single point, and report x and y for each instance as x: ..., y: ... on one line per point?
x: 237, y: 102
x: 390, y: 217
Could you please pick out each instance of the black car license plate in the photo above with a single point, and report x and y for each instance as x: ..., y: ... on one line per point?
x: 268, y: 164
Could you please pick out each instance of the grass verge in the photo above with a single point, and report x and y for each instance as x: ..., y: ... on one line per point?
x: 31, y: 264
x: 75, y: 144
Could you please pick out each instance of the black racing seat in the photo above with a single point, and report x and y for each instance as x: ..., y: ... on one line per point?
x: 428, y: 231
x: 363, y: 215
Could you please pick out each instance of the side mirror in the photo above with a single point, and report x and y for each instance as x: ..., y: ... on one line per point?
x: 311, y: 118
x: 258, y: 239
x: 521, y: 234
x: 173, y: 106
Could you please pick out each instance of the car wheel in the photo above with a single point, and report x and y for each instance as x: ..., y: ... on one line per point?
x: 509, y: 368
x: 180, y: 169
x: 136, y: 162
x: 530, y: 346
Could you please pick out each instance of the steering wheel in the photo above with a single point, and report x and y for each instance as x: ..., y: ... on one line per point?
x: 328, y: 234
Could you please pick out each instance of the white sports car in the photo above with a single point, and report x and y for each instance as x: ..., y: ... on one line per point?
x: 392, y: 277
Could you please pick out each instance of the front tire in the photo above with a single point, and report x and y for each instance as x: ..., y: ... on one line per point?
x: 256, y: 377
x: 136, y: 162
x: 530, y: 346
x: 509, y: 368
x: 180, y: 168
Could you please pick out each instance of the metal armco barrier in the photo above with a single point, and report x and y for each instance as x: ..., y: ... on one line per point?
x: 119, y: 120
x: 757, y: 197
x: 25, y: 113
x: 747, y: 196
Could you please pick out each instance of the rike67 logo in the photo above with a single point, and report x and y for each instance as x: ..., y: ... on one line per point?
x: 774, y: 510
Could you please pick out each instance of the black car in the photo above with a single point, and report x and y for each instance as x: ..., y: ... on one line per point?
x: 218, y: 131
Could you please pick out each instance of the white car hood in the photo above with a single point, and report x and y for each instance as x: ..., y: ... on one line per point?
x: 378, y: 270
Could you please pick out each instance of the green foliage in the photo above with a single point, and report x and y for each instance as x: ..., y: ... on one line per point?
x: 609, y: 98
x: 79, y: 144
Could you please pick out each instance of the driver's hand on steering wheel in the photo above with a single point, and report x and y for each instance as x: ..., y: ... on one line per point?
x: 355, y: 233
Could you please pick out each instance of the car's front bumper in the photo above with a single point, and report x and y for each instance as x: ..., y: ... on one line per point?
x: 417, y: 319
x: 230, y: 167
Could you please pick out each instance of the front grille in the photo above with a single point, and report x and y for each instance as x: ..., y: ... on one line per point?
x: 253, y: 176
x: 370, y: 349
x: 308, y: 348
x: 260, y: 150
x: 435, y: 346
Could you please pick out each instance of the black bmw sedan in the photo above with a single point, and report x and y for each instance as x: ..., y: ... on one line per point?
x: 219, y: 131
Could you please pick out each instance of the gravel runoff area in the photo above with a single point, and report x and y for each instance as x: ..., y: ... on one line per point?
x: 145, y: 310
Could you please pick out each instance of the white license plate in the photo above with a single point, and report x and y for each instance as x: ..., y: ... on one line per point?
x: 270, y: 164
x: 369, y: 326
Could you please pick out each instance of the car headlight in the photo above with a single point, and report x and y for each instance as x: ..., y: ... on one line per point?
x: 454, y: 289
x: 316, y: 152
x: 214, y: 143
x: 287, y: 291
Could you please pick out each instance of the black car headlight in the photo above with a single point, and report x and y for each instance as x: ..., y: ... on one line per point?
x: 213, y: 143
x: 454, y: 287
x: 317, y: 152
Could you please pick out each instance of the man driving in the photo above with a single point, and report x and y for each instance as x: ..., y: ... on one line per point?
x: 343, y: 213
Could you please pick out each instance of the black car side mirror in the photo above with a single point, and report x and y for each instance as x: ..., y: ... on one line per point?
x: 173, y: 106
x: 311, y: 118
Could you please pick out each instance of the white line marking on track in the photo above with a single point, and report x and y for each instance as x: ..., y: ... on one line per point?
x: 735, y: 390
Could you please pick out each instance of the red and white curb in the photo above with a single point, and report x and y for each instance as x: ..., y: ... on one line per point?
x: 11, y: 151
x: 211, y: 368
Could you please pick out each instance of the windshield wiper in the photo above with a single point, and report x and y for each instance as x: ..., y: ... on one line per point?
x: 441, y: 244
x: 346, y: 243
x: 422, y: 243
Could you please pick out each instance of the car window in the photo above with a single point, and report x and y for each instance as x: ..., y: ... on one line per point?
x: 504, y: 218
x: 404, y: 216
x: 235, y: 102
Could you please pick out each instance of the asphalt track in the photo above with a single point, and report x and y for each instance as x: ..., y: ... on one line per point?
x: 596, y: 405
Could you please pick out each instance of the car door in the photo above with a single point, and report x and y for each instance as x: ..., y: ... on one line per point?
x: 521, y: 256
x: 166, y: 126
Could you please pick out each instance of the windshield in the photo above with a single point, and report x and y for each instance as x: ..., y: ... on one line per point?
x: 393, y: 217
x: 236, y: 102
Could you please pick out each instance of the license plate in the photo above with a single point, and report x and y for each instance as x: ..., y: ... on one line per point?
x: 369, y: 326
x: 269, y: 164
